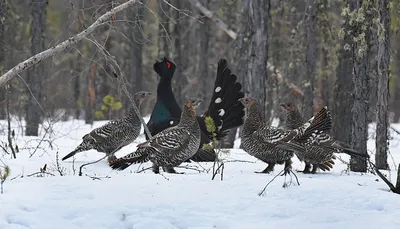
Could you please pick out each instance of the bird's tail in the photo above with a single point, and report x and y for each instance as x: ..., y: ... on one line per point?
x: 139, y: 156
x: 84, y: 146
x: 327, y: 166
x: 224, y: 108
x: 320, y: 123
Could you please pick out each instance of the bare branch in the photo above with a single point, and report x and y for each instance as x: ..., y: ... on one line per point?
x: 214, y: 19
x: 10, y: 74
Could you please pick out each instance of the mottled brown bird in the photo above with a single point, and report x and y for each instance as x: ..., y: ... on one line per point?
x: 261, y: 140
x: 317, y: 150
x: 170, y: 147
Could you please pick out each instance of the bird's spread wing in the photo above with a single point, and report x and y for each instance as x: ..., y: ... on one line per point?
x: 171, y: 139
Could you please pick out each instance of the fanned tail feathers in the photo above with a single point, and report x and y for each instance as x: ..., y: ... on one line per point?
x: 320, y: 123
x: 139, y: 156
x: 327, y: 166
x: 225, y: 109
x: 309, y: 132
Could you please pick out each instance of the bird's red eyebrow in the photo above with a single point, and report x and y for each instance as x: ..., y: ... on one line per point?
x: 168, y: 64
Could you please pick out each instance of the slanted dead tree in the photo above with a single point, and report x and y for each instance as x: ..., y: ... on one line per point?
x: 395, y: 189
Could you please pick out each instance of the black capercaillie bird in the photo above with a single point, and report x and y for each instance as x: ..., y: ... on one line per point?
x: 170, y: 147
x: 317, y: 150
x: 261, y: 140
x: 114, y: 135
x: 224, y: 108
x: 293, y: 120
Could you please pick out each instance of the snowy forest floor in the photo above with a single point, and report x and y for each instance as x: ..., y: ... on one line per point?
x: 126, y: 199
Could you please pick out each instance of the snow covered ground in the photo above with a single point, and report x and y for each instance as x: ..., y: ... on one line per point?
x: 126, y: 199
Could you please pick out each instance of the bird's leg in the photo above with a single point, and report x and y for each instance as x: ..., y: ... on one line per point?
x: 169, y: 169
x: 269, y: 168
x: 307, y: 168
x: 288, y: 167
x: 156, y: 169
x: 314, y: 169
x: 288, y: 170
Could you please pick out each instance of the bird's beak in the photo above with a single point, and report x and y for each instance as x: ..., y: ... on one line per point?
x: 197, y: 102
x: 282, y: 105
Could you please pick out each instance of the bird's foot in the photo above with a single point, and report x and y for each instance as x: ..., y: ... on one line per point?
x: 287, y: 170
x: 111, y: 158
x: 267, y: 170
x: 172, y: 170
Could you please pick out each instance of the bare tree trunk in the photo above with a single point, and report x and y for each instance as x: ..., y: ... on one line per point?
x: 36, y: 73
x: 292, y: 69
x: 77, y: 91
x: 395, y: 80
x: 308, y: 100
x: 382, y: 122
x: 361, y: 60
x: 252, y: 54
x: 89, y: 108
x: 181, y: 50
x: 163, y: 29
x: 342, y: 116
x: 137, y: 39
x: 3, y: 113
x: 203, y: 72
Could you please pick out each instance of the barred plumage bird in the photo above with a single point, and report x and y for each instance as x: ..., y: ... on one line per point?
x: 170, y: 147
x: 114, y: 135
x: 224, y: 108
x: 261, y: 140
x: 293, y: 120
x: 318, y: 150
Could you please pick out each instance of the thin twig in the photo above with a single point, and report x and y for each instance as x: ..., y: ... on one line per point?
x: 191, y: 168
x: 396, y: 131
x: 60, y: 169
x: 265, y: 187
x: 97, y: 178
x: 40, y: 172
x: 142, y: 170
x: 89, y: 163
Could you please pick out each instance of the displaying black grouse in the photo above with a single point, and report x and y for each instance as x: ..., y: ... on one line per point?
x: 318, y: 149
x: 114, y: 135
x: 261, y: 140
x: 225, y: 109
x: 170, y: 147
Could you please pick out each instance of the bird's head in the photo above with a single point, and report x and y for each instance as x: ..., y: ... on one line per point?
x: 141, y: 95
x: 288, y: 107
x: 192, y: 104
x: 164, y: 68
x: 247, y: 101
